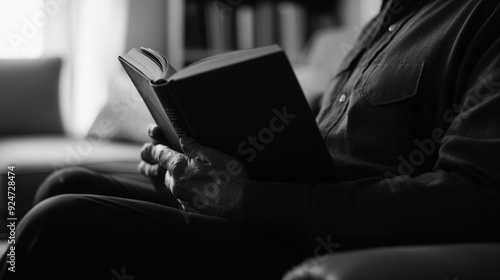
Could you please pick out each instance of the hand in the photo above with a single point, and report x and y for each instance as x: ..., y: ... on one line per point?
x: 202, y: 179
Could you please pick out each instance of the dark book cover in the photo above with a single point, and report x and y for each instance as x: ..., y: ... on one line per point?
x: 252, y: 109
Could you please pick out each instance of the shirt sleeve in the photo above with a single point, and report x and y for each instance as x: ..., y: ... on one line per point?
x: 457, y: 201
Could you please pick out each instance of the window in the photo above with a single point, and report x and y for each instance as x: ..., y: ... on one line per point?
x: 22, y: 25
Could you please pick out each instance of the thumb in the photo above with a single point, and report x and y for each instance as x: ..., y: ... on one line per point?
x: 192, y: 148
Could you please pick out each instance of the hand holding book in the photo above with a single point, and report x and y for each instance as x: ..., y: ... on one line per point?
x: 203, y: 180
x: 246, y: 104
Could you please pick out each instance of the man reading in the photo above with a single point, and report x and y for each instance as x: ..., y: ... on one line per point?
x: 411, y: 120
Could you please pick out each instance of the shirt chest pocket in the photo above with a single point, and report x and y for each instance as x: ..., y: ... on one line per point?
x: 383, y: 118
x: 388, y: 83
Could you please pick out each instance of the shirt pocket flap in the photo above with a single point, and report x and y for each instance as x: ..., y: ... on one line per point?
x: 388, y: 83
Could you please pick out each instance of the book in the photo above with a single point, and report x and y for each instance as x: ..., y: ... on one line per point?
x: 247, y: 104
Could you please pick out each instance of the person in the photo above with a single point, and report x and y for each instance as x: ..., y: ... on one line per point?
x: 411, y: 119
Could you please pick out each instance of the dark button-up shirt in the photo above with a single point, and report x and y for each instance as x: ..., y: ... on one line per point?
x: 412, y: 121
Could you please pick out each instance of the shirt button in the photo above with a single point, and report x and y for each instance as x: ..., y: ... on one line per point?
x: 392, y: 27
x: 342, y: 98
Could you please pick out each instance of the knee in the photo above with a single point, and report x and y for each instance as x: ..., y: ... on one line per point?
x: 49, y: 209
x: 62, y: 181
x: 49, y: 219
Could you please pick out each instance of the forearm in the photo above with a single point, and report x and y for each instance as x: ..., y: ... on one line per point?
x: 433, y: 207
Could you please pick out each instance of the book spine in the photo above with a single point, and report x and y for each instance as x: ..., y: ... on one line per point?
x: 173, y: 111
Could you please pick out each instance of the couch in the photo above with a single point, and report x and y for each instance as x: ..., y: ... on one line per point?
x: 424, y: 262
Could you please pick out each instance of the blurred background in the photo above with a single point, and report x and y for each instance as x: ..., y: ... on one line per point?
x: 89, y: 35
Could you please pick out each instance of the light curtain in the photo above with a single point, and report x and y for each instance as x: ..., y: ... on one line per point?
x: 89, y: 35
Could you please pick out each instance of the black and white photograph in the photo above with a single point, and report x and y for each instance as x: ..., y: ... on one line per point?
x: 250, y: 139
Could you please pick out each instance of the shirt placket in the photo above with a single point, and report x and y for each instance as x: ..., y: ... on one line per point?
x: 349, y: 83
x: 338, y: 101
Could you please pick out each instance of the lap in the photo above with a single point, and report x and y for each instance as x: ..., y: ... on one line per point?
x: 102, y: 234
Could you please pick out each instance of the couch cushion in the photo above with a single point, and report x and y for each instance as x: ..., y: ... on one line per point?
x: 46, y: 153
x: 125, y: 112
x: 29, y: 96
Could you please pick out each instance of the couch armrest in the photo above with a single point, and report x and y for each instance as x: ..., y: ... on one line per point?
x: 29, y: 99
x: 451, y: 262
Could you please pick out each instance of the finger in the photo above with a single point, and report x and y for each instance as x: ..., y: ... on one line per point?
x: 169, y: 159
x: 193, y: 148
x: 155, y: 154
x: 149, y: 170
x: 147, y: 153
x: 156, y: 135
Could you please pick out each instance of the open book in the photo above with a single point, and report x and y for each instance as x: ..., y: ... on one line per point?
x: 247, y: 104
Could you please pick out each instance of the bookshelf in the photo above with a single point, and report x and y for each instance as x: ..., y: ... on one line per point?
x: 200, y: 28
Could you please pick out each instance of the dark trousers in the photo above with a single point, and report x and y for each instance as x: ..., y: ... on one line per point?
x: 86, y: 225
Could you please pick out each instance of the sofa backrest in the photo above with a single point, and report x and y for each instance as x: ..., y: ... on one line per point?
x: 29, y: 96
